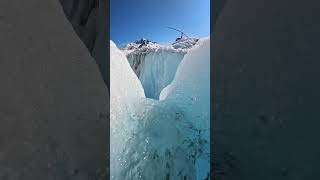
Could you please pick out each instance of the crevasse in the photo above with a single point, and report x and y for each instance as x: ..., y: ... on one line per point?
x: 155, y: 66
x: 165, y: 139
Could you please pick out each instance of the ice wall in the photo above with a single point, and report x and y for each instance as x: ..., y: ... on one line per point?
x: 125, y: 90
x: 155, y: 67
x: 190, y: 90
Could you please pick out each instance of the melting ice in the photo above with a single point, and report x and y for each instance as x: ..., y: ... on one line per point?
x: 166, y: 138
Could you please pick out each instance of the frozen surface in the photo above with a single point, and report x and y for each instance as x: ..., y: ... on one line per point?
x: 167, y: 139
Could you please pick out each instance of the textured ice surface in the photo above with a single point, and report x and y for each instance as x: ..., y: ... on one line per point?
x: 167, y: 139
x: 158, y: 146
x: 125, y: 89
x: 190, y: 90
x: 155, y: 69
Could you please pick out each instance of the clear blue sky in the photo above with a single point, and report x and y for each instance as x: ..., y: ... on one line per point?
x: 133, y: 19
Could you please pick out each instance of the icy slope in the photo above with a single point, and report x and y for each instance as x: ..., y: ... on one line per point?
x: 155, y: 64
x: 125, y: 89
x: 123, y: 77
x: 190, y: 90
x: 125, y: 85
x: 166, y: 139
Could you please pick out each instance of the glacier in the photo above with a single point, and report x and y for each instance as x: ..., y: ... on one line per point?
x: 155, y: 64
x: 161, y: 139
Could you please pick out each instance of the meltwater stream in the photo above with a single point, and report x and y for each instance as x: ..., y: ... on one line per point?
x: 161, y: 139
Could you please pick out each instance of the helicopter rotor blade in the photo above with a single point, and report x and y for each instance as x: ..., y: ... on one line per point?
x: 178, y: 31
